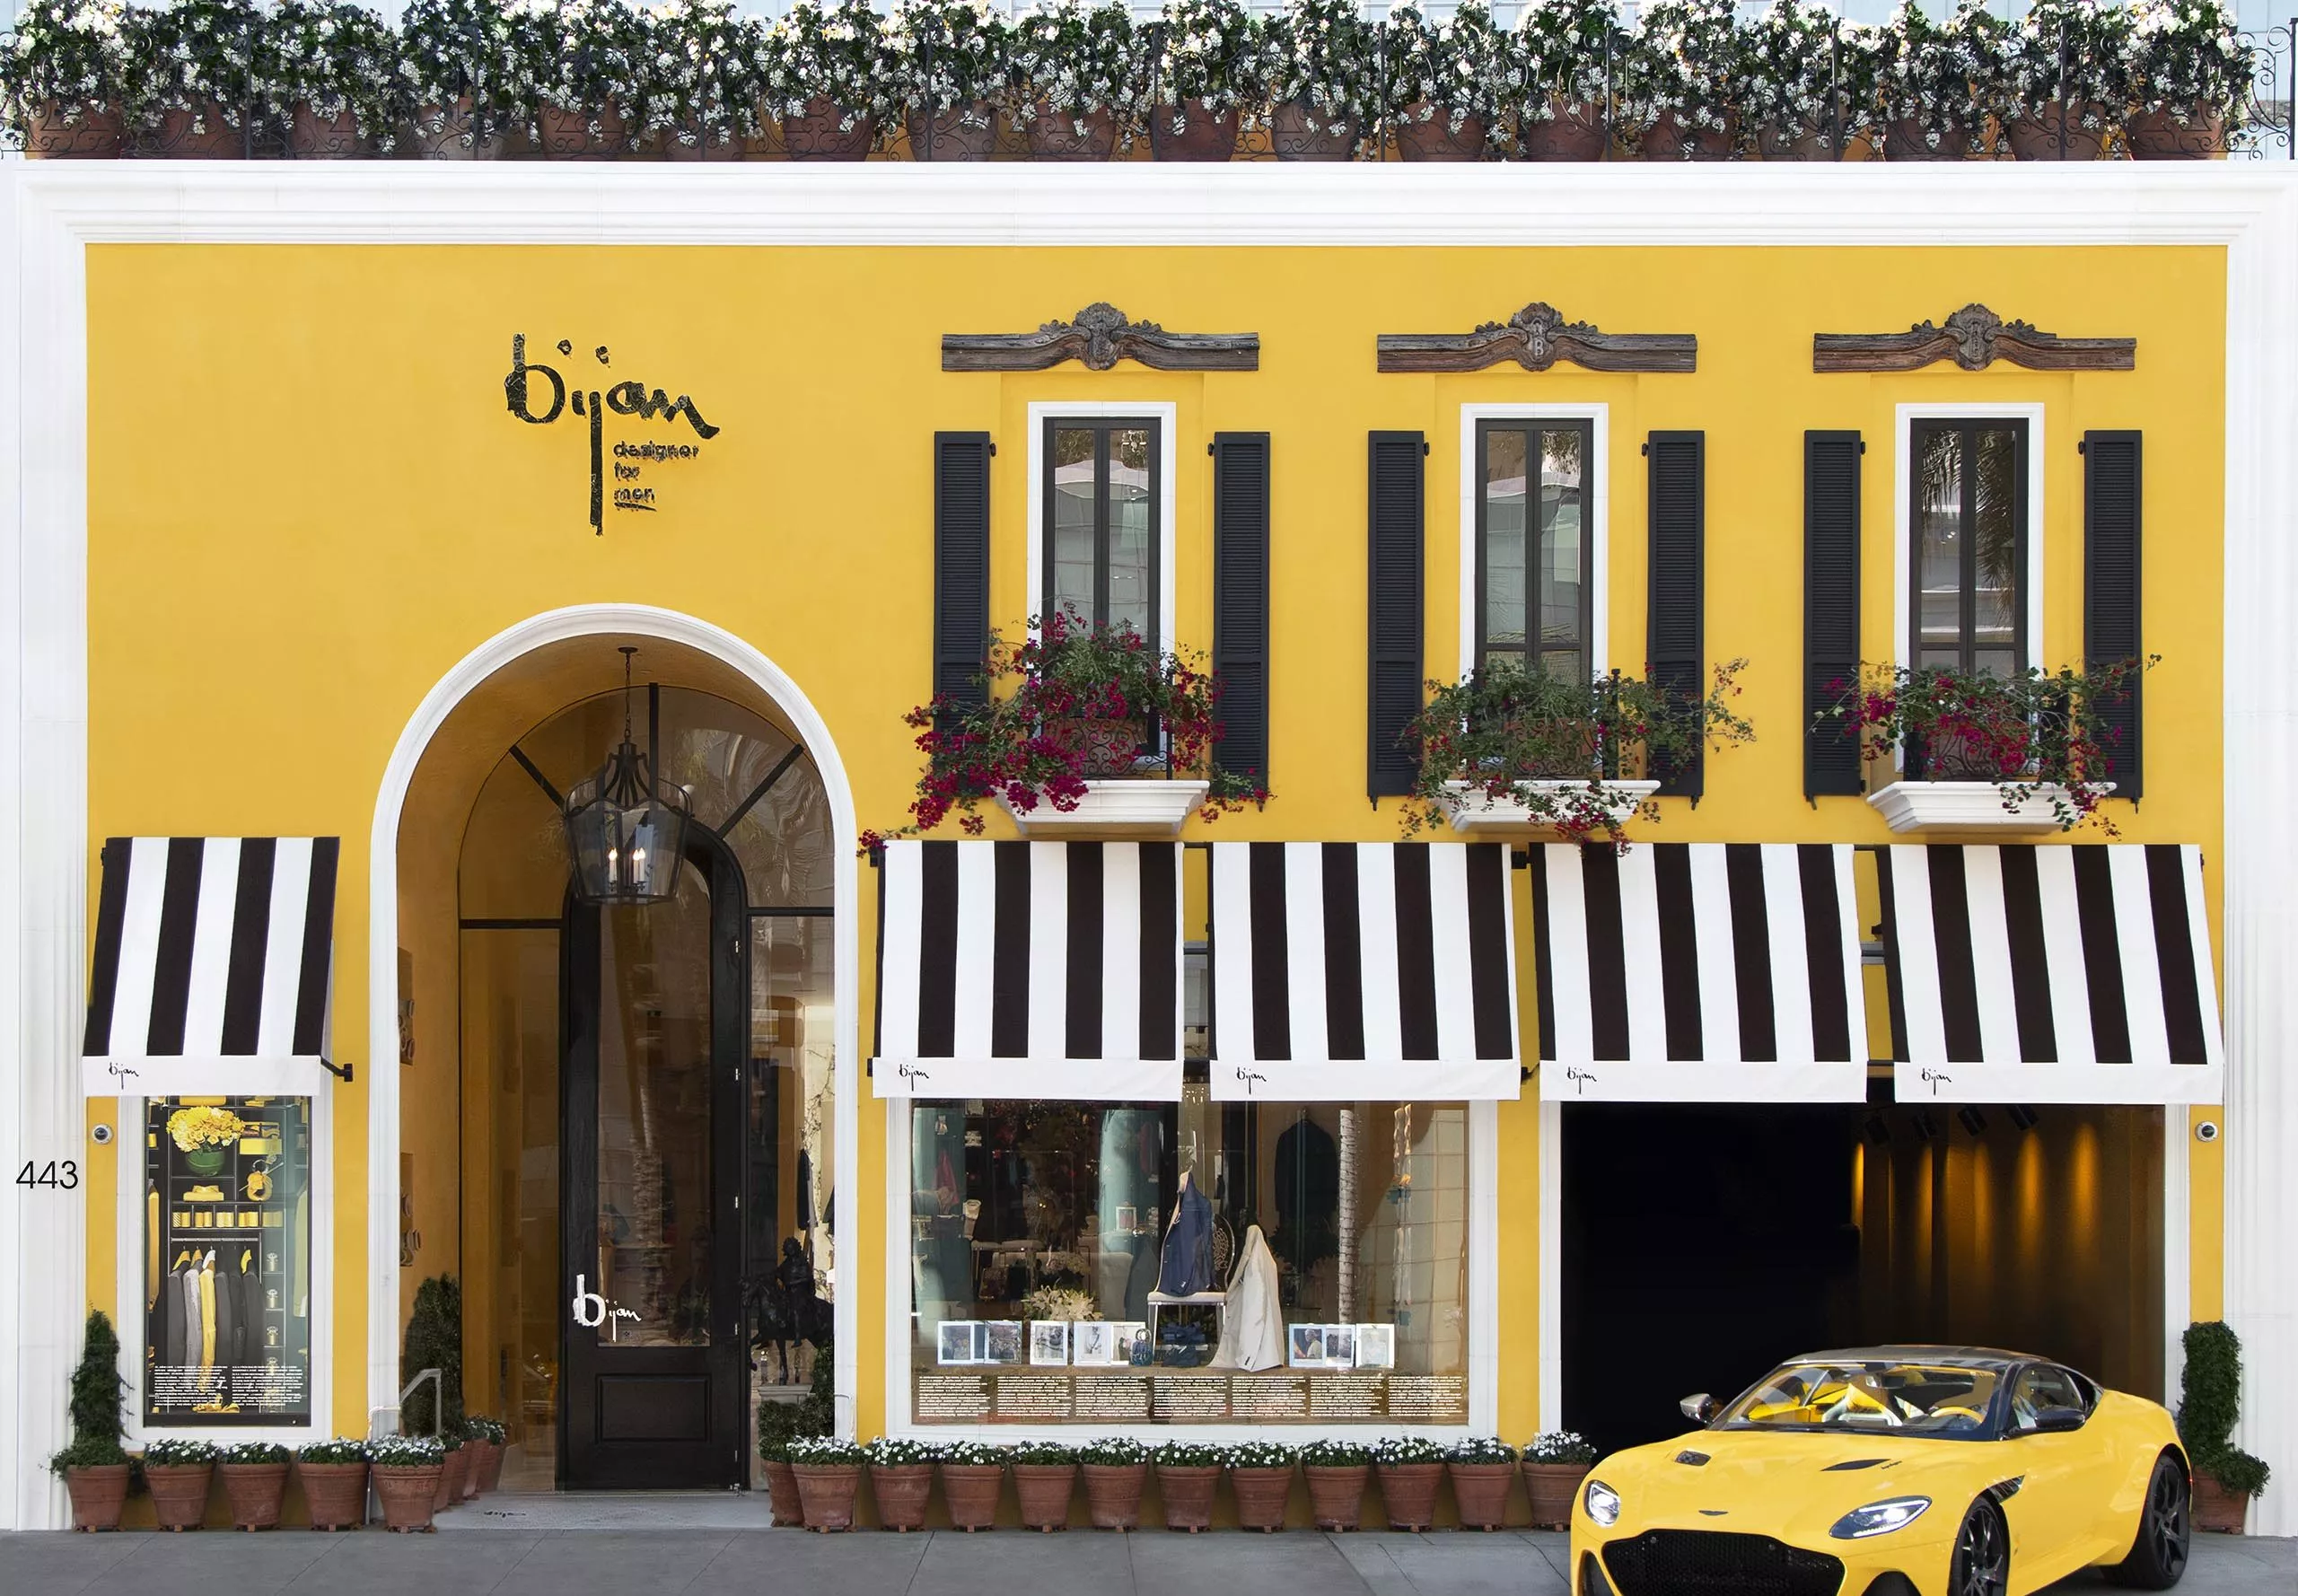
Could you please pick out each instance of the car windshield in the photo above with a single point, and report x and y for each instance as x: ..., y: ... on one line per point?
x: 1871, y: 1394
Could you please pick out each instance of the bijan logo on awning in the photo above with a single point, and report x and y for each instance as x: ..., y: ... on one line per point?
x: 523, y: 390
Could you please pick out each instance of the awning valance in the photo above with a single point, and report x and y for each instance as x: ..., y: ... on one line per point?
x: 1353, y: 970
x: 1029, y: 969
x: 2065, y: 975
x: 213, y: 967
x: 1699, y: 972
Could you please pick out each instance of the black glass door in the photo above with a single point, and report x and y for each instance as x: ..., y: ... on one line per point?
x: 655, y: 1385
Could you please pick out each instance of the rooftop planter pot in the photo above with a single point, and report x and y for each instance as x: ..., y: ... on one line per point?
x: 1810, y: 83
x: 1299, y: 132
x: 962, y: 132
x: 68, y: 79
x: 1206, y: 65
x: 827, y: 71
x: 2054, y: 132
x: 1319, y: 77
x: 1939, y: 82
x: 1191, y: 130
x: 1569, y: 130
x: 1447, y: 81
x: 325, y: 73
x: 1078, y: 77
x: 2189, y: 79
x: 1561, y: 50
x: 824, y: 130
x: 54, y: 132
x: 952, y: 61
x: 2066, y: 79
x: 1683, y: 77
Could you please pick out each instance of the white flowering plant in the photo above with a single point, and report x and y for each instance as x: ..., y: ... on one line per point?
x: 194, y: 55
x: 334, y: 58
x: 68, y: 58
x: 1455, y: 69
x: 836, y: 52
x: 243, y: 1454
x: 176, y: 1451
x: 704, y: 73
x: 1191, y: 1454
x: 1392, y: 1452
x: 582, y: 58
x: 1560, y: 53
x: 1480, y: 1449
x: 1941, y: 80
x: 2074, y: 53
x: 1559, y: 1446
x: 454, y: 51
x: 1810, y: 71
x: 887, y: 1451
x: 1262, y: 1454
x: 1213, y: 52
x: 1321, y: 55
x: 406, y: 1452
x: 1686, y: 60
x: 1332, y: 1452
x: 969, y: 1454
x: 825, y: 1451
x: 339, y: 1449
x: 2188, y: 58
x: 1076, y: 58
x: 952, y: 56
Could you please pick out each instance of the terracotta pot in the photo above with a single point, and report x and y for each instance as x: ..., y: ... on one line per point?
x: 1776, y: 144
x: 1481, y: 1490
x: 215, y: 136
x: 1203, y: 134
x: 1572, y: 130
x: 1058, y: 135
x: 824, y: 132
x: 1668, y: 139
x: 1189, y: 1494
x: 782, y: 1494
x: 1044, y: 1489
x: 971, y: 1492
x: 2037, y: 137
x: 1113, y: 1494
x: 179, y: 1493
x: 98, y: 1494
x: 1433, y: 138
x: 579, y: 136
x: 1337, y: 1495
x: 901, y: 1492
x: 1905, y: 138
x: 1408, y: 1492
x: 450, y: 1479
x: 314, y: 137
x: 449, y: 132
x: 961, y: 133
x: 826, y: 1492
x: 2216, y: 1508
x: 702, y: 146
x: 92, y: 135
x: 2149, y: 135
x: 255, y: 1491
x: 1297, y: 132
x: 408, y: 1492
x: 1552, y: 1487
x: 1262, y: 1497
x: 491, y: 1476
x: 474, y: 1467
x: 336, y: 1494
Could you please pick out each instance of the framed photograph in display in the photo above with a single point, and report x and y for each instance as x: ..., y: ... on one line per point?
x: 956, y: 1342
x: 1001, y: 1341
x: 1340, y: 1346
x: 1049, y: 1341
x: 1376, y: 1346
x: 1093, y: 1344
x: 1305, y: 1345
x: 1128, y: 1217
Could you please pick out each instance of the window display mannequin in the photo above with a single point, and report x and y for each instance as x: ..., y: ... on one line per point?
x: 1252, y: 1330
x: 1186, y: 1267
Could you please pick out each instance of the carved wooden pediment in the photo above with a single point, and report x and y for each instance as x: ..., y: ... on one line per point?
x: 1535, y: 337
x: 1100, y: 338
x: 1974, y: 338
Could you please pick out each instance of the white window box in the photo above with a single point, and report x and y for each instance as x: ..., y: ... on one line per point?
x: 1965, y: 806
x: 1116, y: 807
x: 1476, y: 813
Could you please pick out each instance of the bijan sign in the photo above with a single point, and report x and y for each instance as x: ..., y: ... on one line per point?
x: 539, y: 395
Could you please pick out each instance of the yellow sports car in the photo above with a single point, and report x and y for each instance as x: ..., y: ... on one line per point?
x: 1892, y: 1471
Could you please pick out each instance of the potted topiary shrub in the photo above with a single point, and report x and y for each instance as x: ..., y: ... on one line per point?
x: 179, y: 1472
x: 96, y: 1470
x: 1482, y: 1468
x: 1045, y: 1474
x: 1189, y: 1474
x: 408, y: 1472
x: 461, y: 76
x: 334, y: 1477
x: 830, y: 1477
x: 1207, y: 79
x: 2189, y: 75
x: 1939, y: 82
x: 1261, y: 1472
x: 973, y: 1476
x: 952, y: 64
x: 195, y: 63
x: 323, y: 73
x: 827, y: 73
x: 1554, y: 1463
x: 2210, y: 1402
x: 1561, y: 60
x: 1446, y: 81
x: 901, y: 1479
x: 1337, y: 1472
x: 1811, y: 83
x: 255, y: 1482
x: 1078, y: 79
x: 2068, y: 79
x: 1318, y: 60
x: 1411, y: 1467
x: 1686, y: 72
x: 65, y: 77
x: 1116, y: 1468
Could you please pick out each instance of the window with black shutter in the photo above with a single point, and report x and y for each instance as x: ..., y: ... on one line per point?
x: 1396, y: 482
x: 2111, y: 589
x: 1241, y: 600
x: 1675, y: 634
x: 1102, y: 523
x: 961, y: 564
x: 1535, y: 556
x: 1968, y: 523
x: 1830, y: 610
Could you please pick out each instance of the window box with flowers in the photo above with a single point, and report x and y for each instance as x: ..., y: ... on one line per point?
x: 1448, y: 82
x: 1082, y: 729
x: 2033, y: 752
x: 1322, y: 85
x: 1513, y: 749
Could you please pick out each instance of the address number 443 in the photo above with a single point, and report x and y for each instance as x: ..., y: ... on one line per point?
x: 56, y: 1176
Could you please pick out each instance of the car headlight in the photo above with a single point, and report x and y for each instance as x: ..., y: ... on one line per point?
x: 1603, y: 1503
x: 1879, y: 1518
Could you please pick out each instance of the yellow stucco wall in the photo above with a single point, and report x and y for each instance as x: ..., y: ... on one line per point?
x: 307, y: 502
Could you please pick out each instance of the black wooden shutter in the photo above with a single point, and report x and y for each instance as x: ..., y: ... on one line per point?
x: 961, y: 564
x: 1397, y: 533
x: 1674, y: 637
x: 1830, y: 609
x: 1241, y: 600
x: 2111, y: 610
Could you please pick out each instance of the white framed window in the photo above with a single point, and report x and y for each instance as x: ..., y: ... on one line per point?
x: 1533, y: 576
x: 1101, y: 518
x: 1976, y: 472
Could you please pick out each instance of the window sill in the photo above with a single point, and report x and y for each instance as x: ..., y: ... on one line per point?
x: 1118, y: 807
x: 1964, y: 806
x: 1476, y: 815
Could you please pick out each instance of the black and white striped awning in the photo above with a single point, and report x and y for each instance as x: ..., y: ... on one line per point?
x: 1351, y: 970
x: 212, y: 968
x: 1699, y: 972
x: 2066, y: 974
x: 1029, y: 969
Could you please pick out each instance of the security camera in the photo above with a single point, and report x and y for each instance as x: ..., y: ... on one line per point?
x: 102, y: 1133
x: 2207, y: 1131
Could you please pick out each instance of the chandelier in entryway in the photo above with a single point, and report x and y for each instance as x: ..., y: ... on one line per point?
x: 628, y: 831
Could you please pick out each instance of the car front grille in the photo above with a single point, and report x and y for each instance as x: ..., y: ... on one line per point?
x: 1705, y: 1562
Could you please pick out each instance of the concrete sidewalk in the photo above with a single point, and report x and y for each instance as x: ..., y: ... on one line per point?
x: 704, y: 1562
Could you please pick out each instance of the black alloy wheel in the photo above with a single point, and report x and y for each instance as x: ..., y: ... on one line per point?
x: 1981, y: 1565
x: 2158, y: 1557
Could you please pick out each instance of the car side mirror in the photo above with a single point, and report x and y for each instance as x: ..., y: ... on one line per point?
x: 1699, y: 1408
x: 2053, y: 1421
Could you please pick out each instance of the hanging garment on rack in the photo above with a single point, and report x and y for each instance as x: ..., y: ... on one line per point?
x: 1186, y: 1267
x: 1252, y: 1327
x: 170, y: 1350
x: 207, y: 1314
x: 227, y: 1316
x: 247, y: 1287
x: 151, y: 1281
x: 1308, y: 1195
x: 188, y: 1299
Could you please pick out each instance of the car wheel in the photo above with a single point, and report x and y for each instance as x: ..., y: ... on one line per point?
x: 2158, y: 1557
x: 1981, y: 1563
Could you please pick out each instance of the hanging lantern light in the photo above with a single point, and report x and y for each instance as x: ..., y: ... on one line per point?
x: 628, y: 832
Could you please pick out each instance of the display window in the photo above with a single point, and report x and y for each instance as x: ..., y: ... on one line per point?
x: 1191, y: 1263
x: 227, y: 1256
